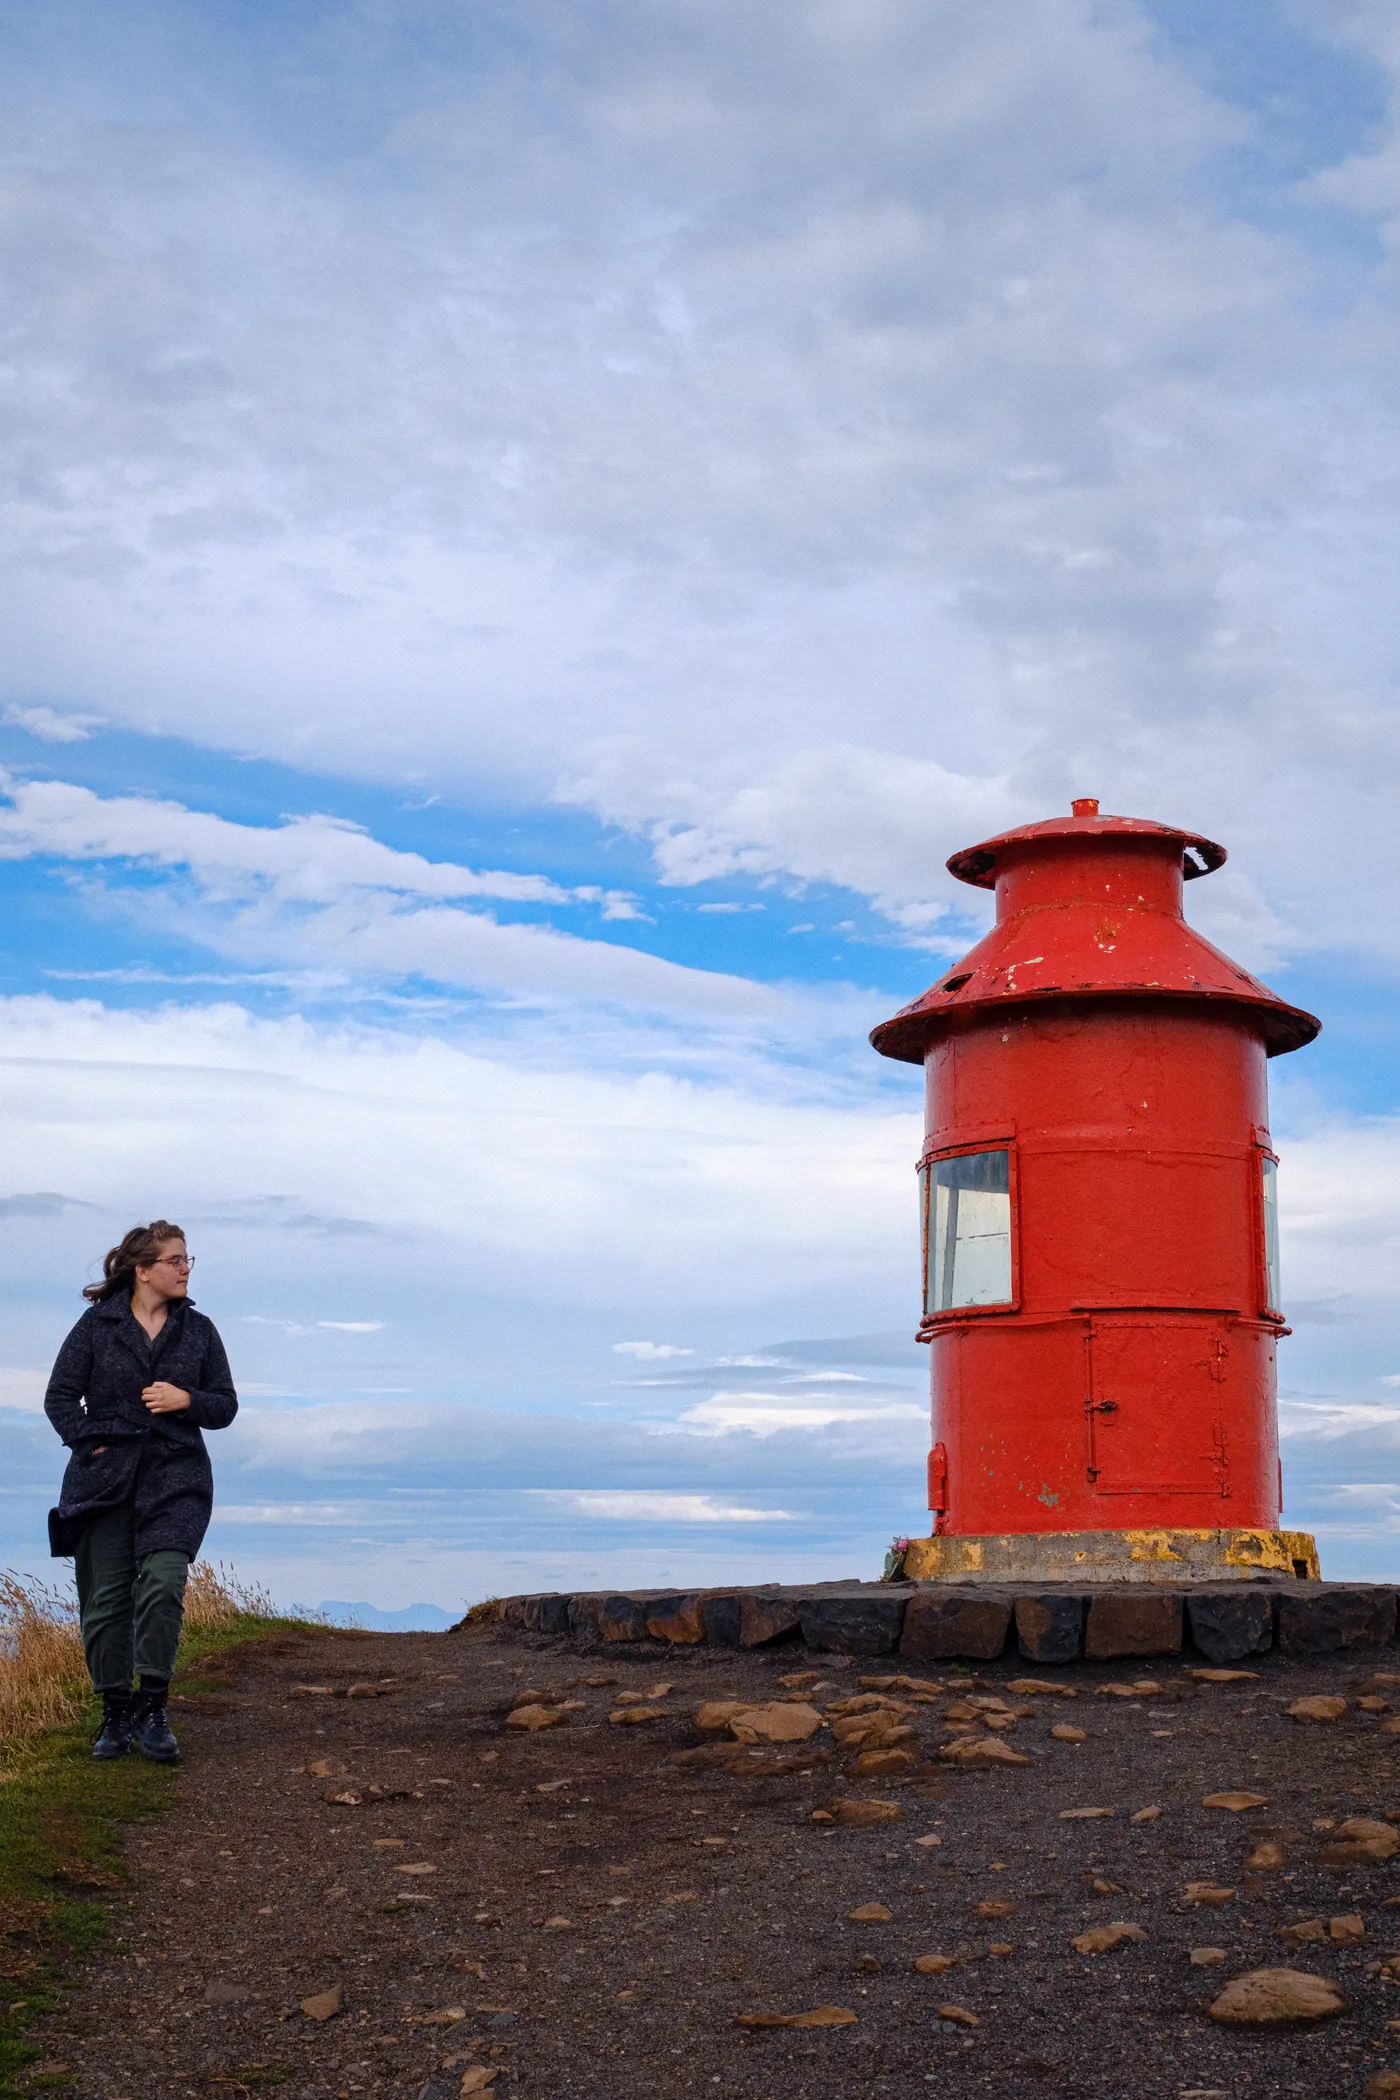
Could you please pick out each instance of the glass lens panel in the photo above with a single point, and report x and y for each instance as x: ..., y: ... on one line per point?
x: 1273, y: 1288
x: 968, y: 1234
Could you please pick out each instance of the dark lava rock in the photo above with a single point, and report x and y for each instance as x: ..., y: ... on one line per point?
x: 1228, y: 1624
x: 865, y: 1625
x: 1316, y: 1617
x: 939, y: 1624
x: 1050, y: 1627
x: 1133, y: 1622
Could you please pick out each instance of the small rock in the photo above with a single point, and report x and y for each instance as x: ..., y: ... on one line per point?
x: 958, y: 2014
x: 869, y: 1914
x: 860, y: 1815
x: 934, y: 1964
x: 1267, y: 1857
x: 1323, y: 1707
x: 718, y: 1713
x: 635, y: 1698
x: 533, y: 1718
x: 324, y: 2005
x: 598, y: 1682
x: 928, y: 1841
x: 794, y: 1678
x: 1085, y: 1815
x: 822, y: 1815
x: 327, y: 1768
x: 1373, y: 1703
x: 782, y: 1722
x: 1144, y: 1688
x: 980, y: 1750
x: 415, y: 1866
x: 1306, y: 1929
x: 345, y: 1793
x: 1208, y: 1895
x: 997, y: 1907
x: 1100, y: 1938
x: 1369, y: 1831
x: 1000, y: 1947
x: 871, y: 1764
x: 1222, y: 1677
x: 1062, y: 1732
x: 313, y: 1691
x: 448, y: 2017
x: 1356, y: 1849
x: 1274, y: 1997
x: 1027, y: 1686
x: 1207, y: 1957
x: 1149, y: 1814
x: 657, y: 1691
x: 218, y: 1992
x: 867, y: 1965
x: 477, y: 2078
x: 369, y: 1691
x: 634, y: 1716
x: 1235, y: 1802
x: 1383, y: 2085
x: 823, y: 2016
x: 1347, y: 1930
x: 558, y: 1924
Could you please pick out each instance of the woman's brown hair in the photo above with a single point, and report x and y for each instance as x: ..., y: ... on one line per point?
x: 139, y: 1249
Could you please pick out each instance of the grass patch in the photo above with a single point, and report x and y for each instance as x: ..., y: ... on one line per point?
x: 62, y: 1816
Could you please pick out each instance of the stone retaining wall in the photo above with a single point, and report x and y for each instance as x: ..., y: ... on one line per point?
x: 930, y: 1622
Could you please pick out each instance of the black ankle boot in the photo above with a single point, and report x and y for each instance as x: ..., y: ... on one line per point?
x: 149, y: 1725
x: 115, y: 1737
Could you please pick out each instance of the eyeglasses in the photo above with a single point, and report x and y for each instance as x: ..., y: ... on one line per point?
x: 174, y: 1261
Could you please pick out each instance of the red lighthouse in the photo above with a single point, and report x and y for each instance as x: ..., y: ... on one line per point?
x: 1101, y: 1287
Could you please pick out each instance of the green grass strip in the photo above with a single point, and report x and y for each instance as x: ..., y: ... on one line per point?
x: 61, y: 1871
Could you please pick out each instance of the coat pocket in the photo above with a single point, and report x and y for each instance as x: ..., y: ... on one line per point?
x: 98, y: 1474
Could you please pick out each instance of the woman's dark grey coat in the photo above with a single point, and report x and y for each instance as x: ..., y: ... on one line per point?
x: 156, y: 1462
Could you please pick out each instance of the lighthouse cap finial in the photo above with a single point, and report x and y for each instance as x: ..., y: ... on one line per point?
x: 1085, y: 806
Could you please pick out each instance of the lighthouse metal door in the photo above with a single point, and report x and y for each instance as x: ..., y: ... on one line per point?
x: 1156, y: 1405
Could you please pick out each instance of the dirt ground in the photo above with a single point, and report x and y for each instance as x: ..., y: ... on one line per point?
x: 591, y: 1920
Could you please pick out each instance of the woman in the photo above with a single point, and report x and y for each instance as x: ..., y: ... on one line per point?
x: 136, y: 1381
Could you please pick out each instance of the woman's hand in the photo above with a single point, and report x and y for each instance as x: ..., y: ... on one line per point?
x: 163, y: 1399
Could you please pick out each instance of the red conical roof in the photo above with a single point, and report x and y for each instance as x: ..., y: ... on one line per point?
x: 1090, y: 906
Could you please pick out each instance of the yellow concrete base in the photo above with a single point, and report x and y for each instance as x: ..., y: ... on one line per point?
x: 1115, y: 1556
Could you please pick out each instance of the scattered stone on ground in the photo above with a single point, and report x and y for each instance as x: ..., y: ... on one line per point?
x: 1322, y: 1707
x: 1274, y: 1997
x: 606, y: 1904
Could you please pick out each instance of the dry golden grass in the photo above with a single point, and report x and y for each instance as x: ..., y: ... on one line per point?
x: 214, y: 1598
x: 43, y: 1679
x: 43, y: 1676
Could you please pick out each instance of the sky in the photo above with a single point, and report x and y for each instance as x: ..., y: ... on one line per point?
x: 527, y: 535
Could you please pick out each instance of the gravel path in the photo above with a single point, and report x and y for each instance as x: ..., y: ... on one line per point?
x: 569, y: 1913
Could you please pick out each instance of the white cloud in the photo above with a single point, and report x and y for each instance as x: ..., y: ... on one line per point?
x: 764, y: 1414
x: 322, y: 893
x: 534, y: 1177
x: 302, y: 860
x: 649, y: 1352
x: 50, y: 726
x: 649, y: 1508
x: 898, y: 393
x: 23, y: 1389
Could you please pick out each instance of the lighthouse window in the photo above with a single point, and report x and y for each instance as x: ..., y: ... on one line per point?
x: 967, y: 1231
x: 1273, y: 1287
